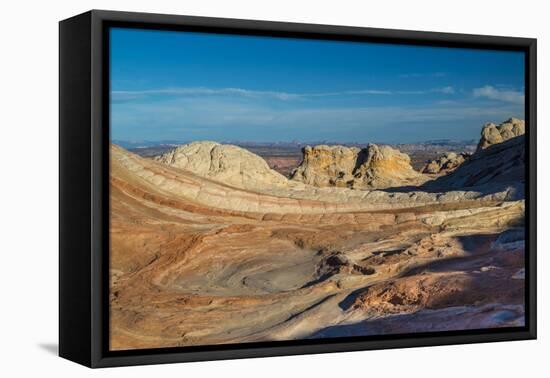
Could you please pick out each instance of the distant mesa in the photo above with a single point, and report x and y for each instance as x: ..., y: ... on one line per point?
x: 374, y: 167
x: 225, y: 163
x: 446, y: 163
x: 493, y: 134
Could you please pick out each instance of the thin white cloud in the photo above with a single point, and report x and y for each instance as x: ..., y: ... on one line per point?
x: 447, y: 90
x: 418, y: 74
x: 231, y: 118
x: 280, y: 95
x: 505, y: 95
x: 202, y: 91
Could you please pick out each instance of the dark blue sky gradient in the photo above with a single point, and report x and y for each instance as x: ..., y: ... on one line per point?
x: 193, y: 86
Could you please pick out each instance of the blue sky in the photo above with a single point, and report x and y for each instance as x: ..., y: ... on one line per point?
x: 194, y: 86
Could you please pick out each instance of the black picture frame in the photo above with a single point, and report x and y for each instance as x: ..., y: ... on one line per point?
x: 83, y: 196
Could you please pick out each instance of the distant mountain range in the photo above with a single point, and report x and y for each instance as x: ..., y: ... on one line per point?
x: 129, y: 144
x: 134, y: 144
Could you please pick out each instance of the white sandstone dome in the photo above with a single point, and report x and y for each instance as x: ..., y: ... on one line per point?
x: 225, y: 163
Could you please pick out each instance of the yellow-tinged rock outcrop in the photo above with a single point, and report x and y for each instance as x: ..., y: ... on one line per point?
x: 374, y: 167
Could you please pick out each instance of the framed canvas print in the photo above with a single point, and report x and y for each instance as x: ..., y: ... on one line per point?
x: 234, y: 188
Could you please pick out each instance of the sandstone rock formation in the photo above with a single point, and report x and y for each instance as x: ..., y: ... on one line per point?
x: 175, y: 185
x: 372, y: 167
x: 225, y: 163
x: 324, y: 166
x: 385, y: 167
x: 493, y: 134
x: 210, y: 246
x: 197, y: 261
x: 489, y: 169
x: 445, y: 163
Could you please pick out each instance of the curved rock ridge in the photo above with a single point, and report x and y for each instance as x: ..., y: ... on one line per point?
x: 194, y: 261
x: 493, y: 167
x: 446, y: 163
x: 374, y: 167
x: 493, y: 134
x: 225, y: 163
x: 166, y: 183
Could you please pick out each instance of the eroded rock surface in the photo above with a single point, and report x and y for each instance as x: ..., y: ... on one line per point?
x: 493, y: 134
x: 374, y: 167
x: 324, y: 166
x: 226, y: 163
x: 446, y: 163
x: 492, y: 168
x: 201, y: 258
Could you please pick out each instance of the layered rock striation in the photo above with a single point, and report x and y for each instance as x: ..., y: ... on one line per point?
x: 208, y: 246
x: 165, y: 183
x: 194, y: 261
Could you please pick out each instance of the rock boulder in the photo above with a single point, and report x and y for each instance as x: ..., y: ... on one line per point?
x: 446, y: 163
x: 493, y: 134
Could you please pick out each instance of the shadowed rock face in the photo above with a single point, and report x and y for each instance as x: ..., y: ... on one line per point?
x: 201, y: 256
x: 374, y: 167
x: 492, y: 167
x: 498, y: 163
x: 493, y: 134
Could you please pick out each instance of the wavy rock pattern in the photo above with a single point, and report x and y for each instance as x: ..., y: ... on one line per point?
x: 198, y: 257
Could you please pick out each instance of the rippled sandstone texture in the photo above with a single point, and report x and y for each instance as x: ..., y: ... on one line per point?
x: 200, y: 258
